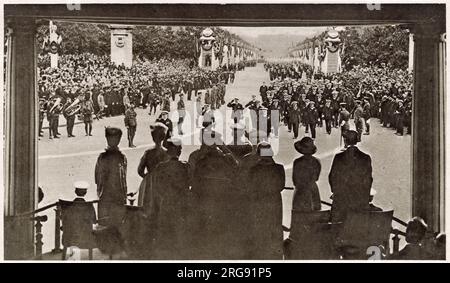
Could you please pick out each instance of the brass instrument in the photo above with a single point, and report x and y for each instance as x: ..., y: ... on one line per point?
x: 73, y: 108
x: 55, y: 104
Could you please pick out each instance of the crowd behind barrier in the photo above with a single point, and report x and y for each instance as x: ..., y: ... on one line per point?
x: 90, y: 86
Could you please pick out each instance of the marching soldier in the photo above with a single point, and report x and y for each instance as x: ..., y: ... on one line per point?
x: 327, y: 114
x: 295, y: 118
x: 335, y: 107
x: 130, y: 123
x: 311, y: 116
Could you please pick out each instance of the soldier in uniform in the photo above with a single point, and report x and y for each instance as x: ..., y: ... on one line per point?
x: 344, y: 117
x: 87, y: 110
x: 327, y: 115
x: 295, y: 118
x: 42, y: 105
x: 253, y: 106
x: 130, y: 123
x: 70, y: 118
x: 110, y: 177
x: 237, y: 109
x: 335, y: 106
x: 311, y: 117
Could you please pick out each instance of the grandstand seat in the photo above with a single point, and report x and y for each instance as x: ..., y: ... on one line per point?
x: 77, y: 220
x: 311, y: 236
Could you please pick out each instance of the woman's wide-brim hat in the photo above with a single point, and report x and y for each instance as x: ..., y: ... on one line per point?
x: 305, y: 146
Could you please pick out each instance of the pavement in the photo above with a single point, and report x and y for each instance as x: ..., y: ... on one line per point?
x: 66, y: 160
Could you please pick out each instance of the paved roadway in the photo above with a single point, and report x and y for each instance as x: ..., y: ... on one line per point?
x: 63, y: 161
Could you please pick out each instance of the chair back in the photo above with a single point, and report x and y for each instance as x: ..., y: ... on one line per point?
x: 311, y: 235
x: 365, y: 229
x: 77, y: 219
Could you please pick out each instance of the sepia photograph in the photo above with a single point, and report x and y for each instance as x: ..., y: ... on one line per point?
x: 224, y: 132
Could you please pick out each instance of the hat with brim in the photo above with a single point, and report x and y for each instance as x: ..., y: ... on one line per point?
x: 305, y: 146
x: 83, y: 185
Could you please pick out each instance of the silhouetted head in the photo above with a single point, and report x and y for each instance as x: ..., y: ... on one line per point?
x: 415, y: 231
x: 173, y: 147
x: 113, y: 136
x: 158, y: 131
x: 351, y: 137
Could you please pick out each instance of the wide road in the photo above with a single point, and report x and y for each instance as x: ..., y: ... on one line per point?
x: 64, y: 161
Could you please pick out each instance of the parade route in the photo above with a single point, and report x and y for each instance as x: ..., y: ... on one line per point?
x: 63, y: 161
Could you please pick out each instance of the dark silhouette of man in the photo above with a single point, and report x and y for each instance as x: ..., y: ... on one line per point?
x: 350, y: 179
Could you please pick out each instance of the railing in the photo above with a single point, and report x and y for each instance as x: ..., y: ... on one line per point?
x: 39, y: 219
x: 394, y: 231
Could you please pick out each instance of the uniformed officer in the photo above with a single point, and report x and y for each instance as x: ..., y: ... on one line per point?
x: 294, y: 118
x: 327, y: 115
x: 311, y: 117
x: 130, y: 123
x: 237, y: 110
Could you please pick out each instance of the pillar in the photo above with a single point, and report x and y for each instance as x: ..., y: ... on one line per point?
x: 21, y: 136
x: 428, y: 126
x: 122, y: 45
